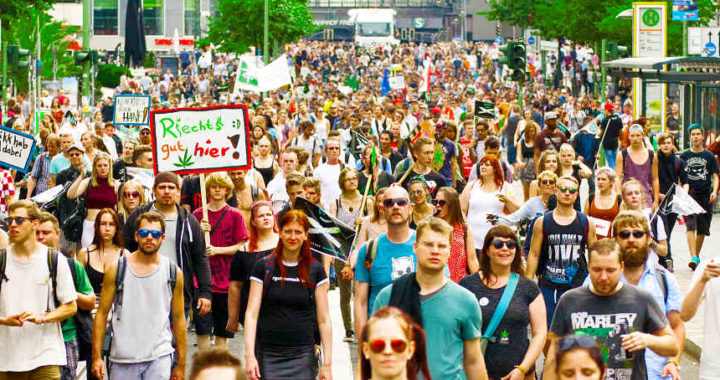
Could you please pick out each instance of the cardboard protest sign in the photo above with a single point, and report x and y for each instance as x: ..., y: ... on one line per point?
x: 131, y: 110
x: 201, y: 140
x: 16, y: 149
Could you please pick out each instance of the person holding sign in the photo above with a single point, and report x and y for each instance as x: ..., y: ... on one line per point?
x: 226, y: 227
x: 101, y: 190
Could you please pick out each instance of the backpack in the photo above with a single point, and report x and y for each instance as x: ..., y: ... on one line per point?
x: 83, y: 322
x: 661, y: 275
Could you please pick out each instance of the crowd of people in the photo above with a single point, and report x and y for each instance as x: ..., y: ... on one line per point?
x: 470, y: 229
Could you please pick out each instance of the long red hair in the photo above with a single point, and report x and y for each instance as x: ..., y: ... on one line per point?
x: 253, y: 239
x: 497, y: 169
x: 305, y: 258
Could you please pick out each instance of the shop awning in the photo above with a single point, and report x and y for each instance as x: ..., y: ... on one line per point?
x: 667, y: 69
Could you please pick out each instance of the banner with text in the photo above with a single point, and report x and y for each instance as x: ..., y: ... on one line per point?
x: 131, y: 110
x: 201, y: 140
x: 16, y: 149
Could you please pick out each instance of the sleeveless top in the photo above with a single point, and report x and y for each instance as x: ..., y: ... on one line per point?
x: 266, y: 173
x: 345, y: 216
x: 641, y: 172
x: 481, y: 205
x: 608, y: 214
x: 101, y: 196
x: 95, y: 276
x: 562, y: 258
x: 142, y: 328
x: 527, y: 151
x: 457, y: 262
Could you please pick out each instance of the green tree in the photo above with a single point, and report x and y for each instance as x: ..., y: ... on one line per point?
x: 240, y: 24
x: 52, y: 33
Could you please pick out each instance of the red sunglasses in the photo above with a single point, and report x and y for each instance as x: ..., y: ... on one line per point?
x: 378, y: 345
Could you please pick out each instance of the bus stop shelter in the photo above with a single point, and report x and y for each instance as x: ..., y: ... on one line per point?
x: 693, y: 82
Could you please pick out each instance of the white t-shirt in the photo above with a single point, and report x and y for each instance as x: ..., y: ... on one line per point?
x: 27, y: 289
x: 328, y: 176
x: 710, y: 363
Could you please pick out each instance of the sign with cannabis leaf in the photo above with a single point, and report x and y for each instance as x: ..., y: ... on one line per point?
x: 200, y: 140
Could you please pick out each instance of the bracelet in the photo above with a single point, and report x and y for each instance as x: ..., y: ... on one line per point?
x: 521, y: 369
x: 674, y: 361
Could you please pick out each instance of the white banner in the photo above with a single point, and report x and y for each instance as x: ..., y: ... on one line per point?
x: 201, y: 140
x: 397, y: 82
x: 16, y: 149
x: 131, y: 110
x: 253, y: 76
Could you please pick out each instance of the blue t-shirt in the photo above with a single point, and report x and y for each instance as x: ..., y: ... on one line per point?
x: 450, y: 153
x: 391, y: 262
x: 450, y: 317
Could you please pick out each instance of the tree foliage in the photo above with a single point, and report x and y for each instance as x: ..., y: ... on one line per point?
x: 240, y: 24
x: 588, y: 21
x: 52, y: 33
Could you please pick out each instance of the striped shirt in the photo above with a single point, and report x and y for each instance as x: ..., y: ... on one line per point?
x: 41, y: 172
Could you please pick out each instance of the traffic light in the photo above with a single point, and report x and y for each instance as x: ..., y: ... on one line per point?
x: 497, y: 30
x: 97, y: 58
x: 519, y: 61
x: 507, y: 52
x: 17, y: 57
x: 81, y: 57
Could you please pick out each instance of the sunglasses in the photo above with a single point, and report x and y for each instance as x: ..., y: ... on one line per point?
x: 378, y: 345
x: 143, y: 233
x: 17, y: 219
x: 625, y: 234
x: 510, y: 244
x: 389, y: 202
x: 568, y: 342
x: 566, y: 190
x: 134, y: 194
x: 145, y: 133
x: 547, y: 182
x: 440, y: 202
x: 75, y: 154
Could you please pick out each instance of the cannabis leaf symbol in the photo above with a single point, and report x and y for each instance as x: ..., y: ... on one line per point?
x: 184, y: 161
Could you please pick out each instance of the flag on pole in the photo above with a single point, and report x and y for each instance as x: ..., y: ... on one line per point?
x: 328, y: 236
x: 683, y: 204
x: 385, y: 84
x: 357, y: 144
x: 425, y: 84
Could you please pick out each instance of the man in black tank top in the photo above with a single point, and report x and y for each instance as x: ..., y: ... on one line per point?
x: 559, y: 241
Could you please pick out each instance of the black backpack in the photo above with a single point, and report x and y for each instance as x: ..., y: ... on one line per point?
x: 83, y: 322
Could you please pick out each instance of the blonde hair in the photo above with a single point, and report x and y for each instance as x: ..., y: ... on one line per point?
x: 433, y: 224
x: 630, y: 218
x: 220, y: 179
x: 548, y: 173
x: 110, y: 179
x: 129, y: 185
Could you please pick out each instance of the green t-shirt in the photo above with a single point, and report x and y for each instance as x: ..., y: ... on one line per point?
x: 450, y: 317
x: 82, y: 285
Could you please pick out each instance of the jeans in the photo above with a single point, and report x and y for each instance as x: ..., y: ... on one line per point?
x: 158, y: 369
x: 610, y: 156
x: 551, y: 296
x: 345, y: 295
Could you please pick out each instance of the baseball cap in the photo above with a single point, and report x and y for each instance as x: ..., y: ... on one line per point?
x: 78, y: 147
x: 436, y: 110
x: 550, y: 115
x: 609, y: 107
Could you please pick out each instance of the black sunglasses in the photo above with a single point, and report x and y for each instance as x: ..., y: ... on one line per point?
x: 625, y: 234
x: 570, y: 341
x: 17, y: 219
x: 389, y: 202
x: 440, y: 202
x: 510, y: 244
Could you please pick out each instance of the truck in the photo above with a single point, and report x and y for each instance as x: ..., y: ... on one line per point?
x: 374, y: 27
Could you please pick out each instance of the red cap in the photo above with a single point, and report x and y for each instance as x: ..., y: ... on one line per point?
x: 436, y: 110
x: 609, y: 107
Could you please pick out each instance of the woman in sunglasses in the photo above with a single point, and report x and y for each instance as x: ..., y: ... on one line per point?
x: 549, y: 160
x: 509, y: 353
x: 101, y: 192
x: 132, y: 196
x: 604, y: 205
x: 422, y: 208
x: 393, y: 347
x: 288, y: 298
x: 634, y: 199
x: 462, y: 246
x: 576, y: 357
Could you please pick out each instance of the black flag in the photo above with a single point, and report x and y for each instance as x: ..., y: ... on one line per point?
x: 328, y: 236
x: 134, y: 34
x: 484, y: 109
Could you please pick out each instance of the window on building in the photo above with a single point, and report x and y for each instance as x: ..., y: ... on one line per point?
x: 105, y: 17
x: 192, y: 17
x: 154, y: 15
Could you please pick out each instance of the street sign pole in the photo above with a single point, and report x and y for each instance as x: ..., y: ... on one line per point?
x: 266, y: 31
x: 86, y: 47
x: 603, y: 56
x: 685, y: 39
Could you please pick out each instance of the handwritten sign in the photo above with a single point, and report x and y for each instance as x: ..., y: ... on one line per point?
x: 602, y: 227
x: 16, y: 149
x: 201, y: 140
x: 131, y: 110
